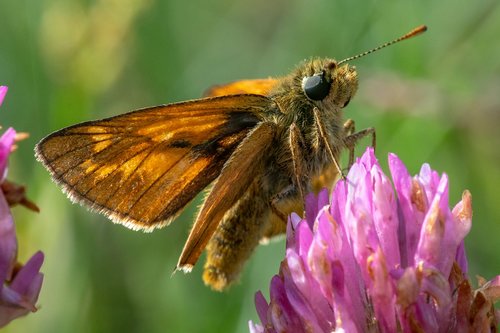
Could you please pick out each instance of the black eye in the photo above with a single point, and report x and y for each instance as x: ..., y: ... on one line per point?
x: 316, y: 87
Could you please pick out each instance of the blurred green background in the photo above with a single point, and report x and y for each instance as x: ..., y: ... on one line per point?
x: 433, y: 99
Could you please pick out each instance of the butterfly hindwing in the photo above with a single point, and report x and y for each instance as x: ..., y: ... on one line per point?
x: 254, y: 86
x: 235, y: 179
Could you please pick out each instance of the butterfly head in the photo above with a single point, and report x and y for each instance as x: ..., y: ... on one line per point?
x: 326, y: 82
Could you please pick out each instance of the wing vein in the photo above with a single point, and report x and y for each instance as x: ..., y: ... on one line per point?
x: 117, y: 168
x: 96, y: 155
x: 154, y: 182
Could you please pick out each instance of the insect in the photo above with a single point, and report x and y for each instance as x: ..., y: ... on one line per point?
x: 262, y: 144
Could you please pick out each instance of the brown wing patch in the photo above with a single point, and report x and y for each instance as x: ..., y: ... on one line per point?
x: 141, y: 168
x: 257, y: 86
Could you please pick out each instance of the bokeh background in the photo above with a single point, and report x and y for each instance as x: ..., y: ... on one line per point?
x: 433, y: 99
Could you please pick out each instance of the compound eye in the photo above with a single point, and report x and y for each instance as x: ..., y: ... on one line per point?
x: 316, y: 87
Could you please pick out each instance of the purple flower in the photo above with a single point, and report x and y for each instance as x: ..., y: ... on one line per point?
x: 379, y: 260
x: 20, y: 284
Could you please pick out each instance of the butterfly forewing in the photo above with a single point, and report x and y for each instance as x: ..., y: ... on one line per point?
x: 141, y: 168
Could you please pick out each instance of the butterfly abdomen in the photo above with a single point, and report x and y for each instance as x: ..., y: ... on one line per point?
x: 235, y: 238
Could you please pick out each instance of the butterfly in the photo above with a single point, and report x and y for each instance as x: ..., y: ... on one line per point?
x: 258, y: 145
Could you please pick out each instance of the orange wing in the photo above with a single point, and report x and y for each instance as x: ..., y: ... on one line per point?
x: 141, y: 168
x: 257, y: 87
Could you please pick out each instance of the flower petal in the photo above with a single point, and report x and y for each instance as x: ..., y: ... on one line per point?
x: 256, y: 328
x: 261, y: 306
x: 382, y: 292
x: 8, y: 242
x: 410, y: 214
x: 281, y: 314
x: 3, y: 92
x: 433, y: 230
x: 29, y: 279
x: 385, y: 216
x: 313, y: 204
x: 6, y: 142
x: 462, y: 214
x: 302, y: 292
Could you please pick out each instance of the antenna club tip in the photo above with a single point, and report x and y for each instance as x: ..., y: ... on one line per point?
x: 415, y: 32
x: 418, y: 30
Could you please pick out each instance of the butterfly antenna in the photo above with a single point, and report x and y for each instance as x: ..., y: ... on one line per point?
x: 415, y: 32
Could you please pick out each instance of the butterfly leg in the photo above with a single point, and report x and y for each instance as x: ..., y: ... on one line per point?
x: 351, y: 140
x: 297, y: 148
x: 288, y: 192
x: 323, y: 137
x: 349, y: 129
x: 282, y: 204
